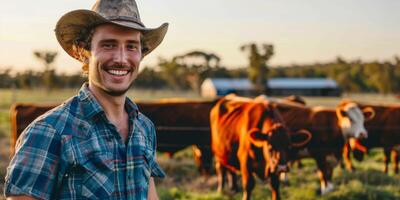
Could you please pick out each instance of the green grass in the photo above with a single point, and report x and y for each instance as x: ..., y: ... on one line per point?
x: 368, y: 182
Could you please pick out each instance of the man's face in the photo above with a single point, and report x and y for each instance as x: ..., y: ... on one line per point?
x: 114, y: 59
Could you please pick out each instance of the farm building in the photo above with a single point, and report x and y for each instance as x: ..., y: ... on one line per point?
x: 213, y: 87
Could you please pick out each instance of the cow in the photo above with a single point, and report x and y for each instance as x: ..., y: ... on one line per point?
x: 250, y: 137
x: 295, y: 99
x: 179, y: 123
x: 383, y: 131
x: 330, y: 129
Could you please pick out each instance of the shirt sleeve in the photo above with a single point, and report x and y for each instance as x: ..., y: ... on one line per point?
x: 33, y: 169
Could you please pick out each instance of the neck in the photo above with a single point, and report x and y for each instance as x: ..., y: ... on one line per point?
x: 113, y: 106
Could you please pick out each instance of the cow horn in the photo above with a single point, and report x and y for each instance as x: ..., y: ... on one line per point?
x: 303, y: 133
x: 370, y: 113
x: 257, y: 138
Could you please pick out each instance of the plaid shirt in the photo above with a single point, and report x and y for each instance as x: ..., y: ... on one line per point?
x: 74, y: 152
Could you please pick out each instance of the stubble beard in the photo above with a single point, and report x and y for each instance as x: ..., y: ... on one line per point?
x: 115, y: 93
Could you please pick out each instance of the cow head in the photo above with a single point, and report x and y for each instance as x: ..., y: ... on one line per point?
x: 351, y: 120
x: 275, y: 141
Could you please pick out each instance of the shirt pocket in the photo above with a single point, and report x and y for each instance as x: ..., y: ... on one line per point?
x: 142, y: 170
x: 98, y: 175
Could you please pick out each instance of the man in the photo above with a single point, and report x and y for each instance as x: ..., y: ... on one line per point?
x: 96, y: 145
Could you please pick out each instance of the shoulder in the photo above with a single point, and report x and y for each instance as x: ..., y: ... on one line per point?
x: 62, y: 118
x: 145, y: 122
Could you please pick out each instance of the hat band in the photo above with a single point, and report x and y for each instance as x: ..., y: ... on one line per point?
x: 125, y: 18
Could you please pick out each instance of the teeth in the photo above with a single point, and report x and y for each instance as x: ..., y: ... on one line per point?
x: 118, y: 72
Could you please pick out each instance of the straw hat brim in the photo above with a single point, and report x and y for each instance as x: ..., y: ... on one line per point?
x: 76, y: 23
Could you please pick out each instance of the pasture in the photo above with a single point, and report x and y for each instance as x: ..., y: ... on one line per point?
x: 184, y: 182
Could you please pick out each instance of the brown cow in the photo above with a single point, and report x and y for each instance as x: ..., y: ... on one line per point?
x: 179, y: 124
x: 250, y: 137
x: 330, y: 129
x: 383, y: 131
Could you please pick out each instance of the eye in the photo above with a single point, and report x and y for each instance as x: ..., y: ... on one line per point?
x: 108, y: 46
x: 132, y: 47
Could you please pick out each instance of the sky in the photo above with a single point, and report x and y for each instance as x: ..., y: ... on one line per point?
x: 301, y: 31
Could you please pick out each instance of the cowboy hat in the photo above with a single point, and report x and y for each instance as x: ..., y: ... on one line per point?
x: 76, y: 25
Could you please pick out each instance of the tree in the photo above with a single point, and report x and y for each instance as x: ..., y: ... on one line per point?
x: 48, y: 58
x: 258, y: 69
x: 150, y: 78
x: 173, y: 73
x: 197, y: 72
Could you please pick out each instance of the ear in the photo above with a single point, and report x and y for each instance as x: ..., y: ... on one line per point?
x: 343, y: 113
x: 257, y: 138
x: 300, y: 138
x: 86, y: 60
x: 369, y: 113
x: 340, y: 113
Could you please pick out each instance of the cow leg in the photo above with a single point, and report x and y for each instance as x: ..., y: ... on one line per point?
x: 386, y: 152
x: 248, y: 182
x: 232, y: 180
x: 396, y: 161
x: 274, y: 185
x: 221, y: 173
x: 284, y: 177
x: 325, y: 175
x: 346, y: 158
x: 203, y: 159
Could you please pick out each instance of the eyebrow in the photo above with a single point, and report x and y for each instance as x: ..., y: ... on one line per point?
x: 114, y: 40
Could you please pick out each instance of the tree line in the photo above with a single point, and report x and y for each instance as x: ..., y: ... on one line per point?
x: 188, y: 70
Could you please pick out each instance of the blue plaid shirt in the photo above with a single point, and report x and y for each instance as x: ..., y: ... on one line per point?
x: 74, y: 152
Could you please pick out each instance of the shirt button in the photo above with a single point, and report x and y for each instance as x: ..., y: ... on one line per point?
x: 66, y: 175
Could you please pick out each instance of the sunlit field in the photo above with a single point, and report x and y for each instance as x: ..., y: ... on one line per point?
x: 184, y: 181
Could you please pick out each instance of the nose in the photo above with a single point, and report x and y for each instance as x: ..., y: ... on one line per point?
x: 363, y: 135
x: 121, y: 57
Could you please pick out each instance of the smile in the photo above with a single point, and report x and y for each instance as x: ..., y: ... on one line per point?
x: 117, y: 72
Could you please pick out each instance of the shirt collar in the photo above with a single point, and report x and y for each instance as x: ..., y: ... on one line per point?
x: 92, y: 108
x: 131, y: 108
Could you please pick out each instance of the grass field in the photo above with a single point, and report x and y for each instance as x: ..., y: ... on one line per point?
x: 184, y: 182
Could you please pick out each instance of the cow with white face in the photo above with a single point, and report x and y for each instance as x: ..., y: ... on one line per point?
x: 351, y: 120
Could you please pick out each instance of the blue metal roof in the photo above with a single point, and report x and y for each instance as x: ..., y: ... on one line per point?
x: 278, y: 83
x: 302, y: 83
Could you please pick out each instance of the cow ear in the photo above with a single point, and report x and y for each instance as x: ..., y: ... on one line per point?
x: 340, y: 113
x: 343, y: 113
x: 300, y: 138
x: 369, y: 113
x: 257, y: 138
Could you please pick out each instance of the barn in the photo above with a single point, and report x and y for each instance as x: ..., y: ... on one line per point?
x: 213, y: 87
